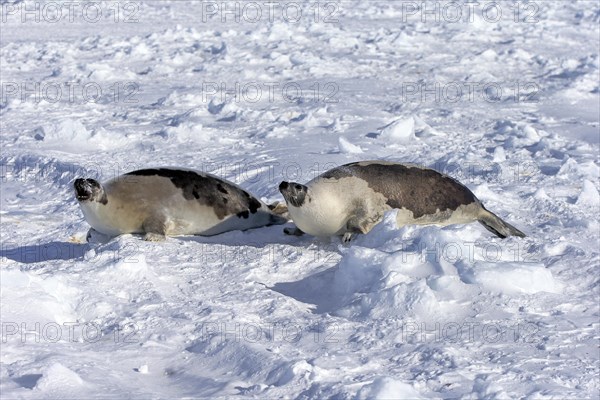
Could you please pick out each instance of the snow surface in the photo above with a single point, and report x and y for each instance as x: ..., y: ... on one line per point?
x: 510, y: 108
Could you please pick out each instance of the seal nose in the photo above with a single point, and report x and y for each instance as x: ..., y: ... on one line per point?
x: 283, y: 186
x: 80, y: 185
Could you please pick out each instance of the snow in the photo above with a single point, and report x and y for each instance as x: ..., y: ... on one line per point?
x: 387, y: 388
x: 589, y: 195
x: 400, y: 131
x: 348, y: 148
x: 510, y: 278
x: 508, y: 107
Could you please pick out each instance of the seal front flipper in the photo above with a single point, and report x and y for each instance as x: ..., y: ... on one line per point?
x: 348, y: 236
x: 295, y: 231
x: 156, y: 228
x: 93, y: 236
x: 363, y: 222
x: 90, y: 235
x: 355, y: 227
x: 154, y: 237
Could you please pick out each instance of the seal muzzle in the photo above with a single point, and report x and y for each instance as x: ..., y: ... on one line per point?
x: 87, y: 189
x: 293, y: 193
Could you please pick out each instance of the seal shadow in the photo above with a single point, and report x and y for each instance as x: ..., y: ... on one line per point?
x: 44, y: 252
x: 27, y: 381
x: 258, y: 237
x: 315, y: 290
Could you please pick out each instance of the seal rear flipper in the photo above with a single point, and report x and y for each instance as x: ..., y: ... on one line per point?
x: 496, y: 225
x: 280, y: 209
x: 279, y: 213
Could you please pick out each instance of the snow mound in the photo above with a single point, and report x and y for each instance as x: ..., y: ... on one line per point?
x: 348, y: 148
x: 410, y: 282
x: 14, y: 279
x: 423, y: 129
x: 589, y: 195
x: 516, y: 134
x: 509, y: 277
x: 188, y: 132
x: 399, y: 131
x: 71, y: 136
x: 59, y: 380
x: 388, y: 388
x: 52, y: 301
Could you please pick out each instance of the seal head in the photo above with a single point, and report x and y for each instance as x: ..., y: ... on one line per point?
x: 294, y: 193
x: 89, y: 190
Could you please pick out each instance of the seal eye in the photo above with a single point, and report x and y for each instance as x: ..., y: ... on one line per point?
x: 298, y: 187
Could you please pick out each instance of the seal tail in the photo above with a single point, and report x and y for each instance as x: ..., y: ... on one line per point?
x: 496, y: 225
